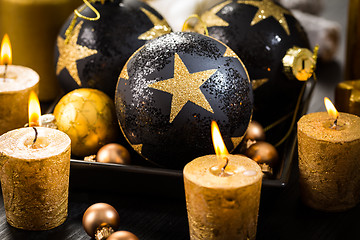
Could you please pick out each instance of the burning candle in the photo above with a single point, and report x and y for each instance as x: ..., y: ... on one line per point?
x: 16, y: 83
x: 329, y: 159
x: 34, y: 174
x: 34, y: 26
x: 222, y: 194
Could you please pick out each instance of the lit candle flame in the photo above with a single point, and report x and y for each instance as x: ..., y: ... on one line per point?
x: 34, y: 110
x: 6, y: 55
x: 219, y: 145
x: 331, y: 108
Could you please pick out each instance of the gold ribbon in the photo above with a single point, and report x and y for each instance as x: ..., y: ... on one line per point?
x: 297, y: 106
x: 186, y: 25
x: 77, y: 13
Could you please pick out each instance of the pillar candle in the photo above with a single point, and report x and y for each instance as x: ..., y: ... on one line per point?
x: 35, y: 177
x: 33, y: 27
x: 352, y: 70
x: 347, y: 97
x: 222, y: 207
x: 14, y: 96
x: 329, y: 161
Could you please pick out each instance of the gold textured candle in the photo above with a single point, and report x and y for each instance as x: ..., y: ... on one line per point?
x: 35, y: 177
x: 16, y: 83
x: 222, y: 204
x: 352, y: 70
x: 15, y: 89
x: 33, y: 26
x: 329, y: 161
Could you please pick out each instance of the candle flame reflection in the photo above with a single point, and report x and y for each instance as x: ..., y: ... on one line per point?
x: 331, y: 108
x: 219, y: 145
x: 34, y: 110
x: 5, y: 54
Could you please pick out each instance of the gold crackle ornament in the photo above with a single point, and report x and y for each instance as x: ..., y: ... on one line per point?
x: 88, y: 117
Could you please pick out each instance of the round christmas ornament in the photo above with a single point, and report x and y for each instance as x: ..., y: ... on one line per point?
x: 171, y: 89
x: 100, y: 220
x: 122, y: 235
x: 263, y: 33
x: 113, y: 153
x: 88, y: 117
x: 265, y: 155
x: 95, y: 42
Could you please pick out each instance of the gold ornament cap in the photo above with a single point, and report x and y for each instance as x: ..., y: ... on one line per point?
x: 299, y: 63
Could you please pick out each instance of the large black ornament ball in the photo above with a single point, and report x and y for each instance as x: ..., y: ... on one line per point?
x: 172, y: 88
x: 261, y: 32
x: 96, y: 51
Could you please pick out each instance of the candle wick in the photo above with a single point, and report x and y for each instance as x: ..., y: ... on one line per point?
x: 335, y: 124
x: 4, y: 79
x: 36, y: 135
x: 226, y: 163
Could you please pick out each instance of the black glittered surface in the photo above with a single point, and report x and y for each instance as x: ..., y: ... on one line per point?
x: 114, y: 36
x: 143, y: 112
x: 261, y: 47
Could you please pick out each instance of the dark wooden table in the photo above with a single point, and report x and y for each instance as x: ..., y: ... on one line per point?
x: 154, y: 217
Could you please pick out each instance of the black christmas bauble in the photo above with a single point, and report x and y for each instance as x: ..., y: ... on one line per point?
x: 96, y: 51
x: 261, y: 33
x: 171, y: 89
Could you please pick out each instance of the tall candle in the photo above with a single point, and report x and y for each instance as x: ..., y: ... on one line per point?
x: 33, y: 27
x: 16, y: 83
x: 14, y: 95
x: 329, y: 161
x: 222, y: 204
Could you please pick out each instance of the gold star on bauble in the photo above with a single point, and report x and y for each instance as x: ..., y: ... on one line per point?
x: 256, y: 83
x: 230, y: 53
x: 70, y: 52
x: 267, y: 8
x: 124, y: 73
x: 211, y: 19
x: 137, y: 147
x: 236, y: 140
x: 161, y: 27
x: 184, y: 87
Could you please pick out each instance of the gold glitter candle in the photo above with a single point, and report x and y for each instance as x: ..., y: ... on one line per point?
x: 352, y: 69
x: 347, y: 97
x: 33, y: 27
x: 222, y: 207
x: 15, y: 89
x: 35, y: 177
x: 329, y: 161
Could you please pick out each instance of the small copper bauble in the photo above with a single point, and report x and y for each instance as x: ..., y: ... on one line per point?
x: 122, y: 235
x: 263, y: 153
x: 255, y: 132
x: 113, y: 153
x: 100, y: 220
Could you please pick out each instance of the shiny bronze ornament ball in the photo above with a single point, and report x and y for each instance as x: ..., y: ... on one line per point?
x: 95, y: 52
x: 263, y: 153
x: 88, y: 117
x: 255, y: 132
x: 261, y: 33
x: 100, y: 220
x: 122, y: 235
x: 172, y: 88
x: 113, y: 153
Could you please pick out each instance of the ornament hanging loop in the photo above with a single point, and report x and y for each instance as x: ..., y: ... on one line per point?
x: 77, y: 13
x: 186, y: 25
